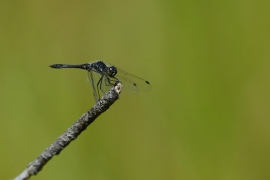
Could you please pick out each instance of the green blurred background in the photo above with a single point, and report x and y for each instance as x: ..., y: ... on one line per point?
x: 206, y: 117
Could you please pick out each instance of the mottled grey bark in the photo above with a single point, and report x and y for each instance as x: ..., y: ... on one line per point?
x: 72, y: 133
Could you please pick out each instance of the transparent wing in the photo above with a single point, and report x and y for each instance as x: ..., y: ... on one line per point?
x: 93, y: 79
x: 106, y: 84
x: 100, y: 84
x: 131, y: 83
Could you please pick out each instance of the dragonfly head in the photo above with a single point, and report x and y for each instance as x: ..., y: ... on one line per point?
x: 112, y: 71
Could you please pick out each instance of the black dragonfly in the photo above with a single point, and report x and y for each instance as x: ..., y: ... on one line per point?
x: 103, y: 76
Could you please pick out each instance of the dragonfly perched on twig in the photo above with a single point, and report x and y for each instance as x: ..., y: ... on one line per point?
x: 103, y: 76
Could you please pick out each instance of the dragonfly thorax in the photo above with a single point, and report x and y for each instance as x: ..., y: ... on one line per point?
x: 102, y: 68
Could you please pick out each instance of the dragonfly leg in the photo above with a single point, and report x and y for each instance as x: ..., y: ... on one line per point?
x: 112, y: 81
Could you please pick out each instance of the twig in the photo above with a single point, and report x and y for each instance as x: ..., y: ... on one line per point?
x: 72, y: 133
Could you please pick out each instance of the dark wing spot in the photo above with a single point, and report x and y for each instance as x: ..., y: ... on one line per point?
x: 135, y: 84
x: 147, y: 82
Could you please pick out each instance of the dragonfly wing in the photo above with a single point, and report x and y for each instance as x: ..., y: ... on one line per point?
x: 129, y: 87
x: 93, y: 79
x: 132, y: 84
x: 106, y: 84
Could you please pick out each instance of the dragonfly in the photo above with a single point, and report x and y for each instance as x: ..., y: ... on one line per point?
x: 102, y: 76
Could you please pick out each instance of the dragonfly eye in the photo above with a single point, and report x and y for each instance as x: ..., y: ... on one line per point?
x: 112, y: 71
